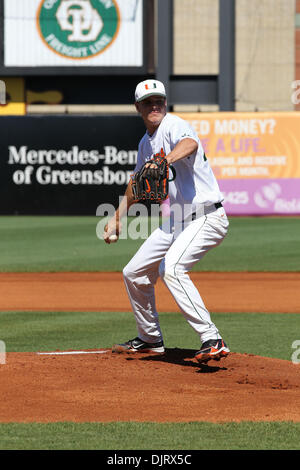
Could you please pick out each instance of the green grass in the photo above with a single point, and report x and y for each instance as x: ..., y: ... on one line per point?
x: 269, y: 335
x: 257, y: 244
x: 144, y: 436
x: 71, y: 244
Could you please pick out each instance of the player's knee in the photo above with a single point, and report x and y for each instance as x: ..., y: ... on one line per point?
x: 128, y: 272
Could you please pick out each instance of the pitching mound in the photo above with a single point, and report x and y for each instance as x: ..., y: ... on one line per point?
x: 102, y: 386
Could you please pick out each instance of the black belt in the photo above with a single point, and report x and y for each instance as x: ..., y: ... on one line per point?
x: 217, y: 206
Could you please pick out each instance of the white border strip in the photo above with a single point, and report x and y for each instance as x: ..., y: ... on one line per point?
x: 65, y: 353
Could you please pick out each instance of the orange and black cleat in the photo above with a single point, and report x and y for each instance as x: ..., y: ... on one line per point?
x: 215, y: 349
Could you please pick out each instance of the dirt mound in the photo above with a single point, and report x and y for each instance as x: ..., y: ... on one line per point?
x: 104, y: 386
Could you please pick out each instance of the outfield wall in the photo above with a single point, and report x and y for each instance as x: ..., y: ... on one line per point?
x: 69, y: 165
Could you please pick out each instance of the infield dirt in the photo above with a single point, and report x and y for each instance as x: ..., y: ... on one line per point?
x: 142, y: 387
x: 222, y: 292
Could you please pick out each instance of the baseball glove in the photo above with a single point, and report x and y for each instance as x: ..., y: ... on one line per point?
x: 151, y: 183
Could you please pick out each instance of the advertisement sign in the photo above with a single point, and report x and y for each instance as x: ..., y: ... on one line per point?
x: 69, y: 165
x: 255, y: 157
x: 76, y: 33
x: 66, y: 165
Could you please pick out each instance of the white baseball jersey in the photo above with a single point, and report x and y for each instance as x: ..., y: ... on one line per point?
x: 195, y: 184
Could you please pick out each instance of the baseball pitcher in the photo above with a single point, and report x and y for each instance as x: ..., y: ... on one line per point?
x: 171, y: 163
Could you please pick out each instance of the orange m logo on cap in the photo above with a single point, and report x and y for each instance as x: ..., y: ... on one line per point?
x: 148, y: 88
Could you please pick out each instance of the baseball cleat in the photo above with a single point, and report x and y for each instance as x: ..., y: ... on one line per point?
x: 215, y: 349
x: 138, y: 345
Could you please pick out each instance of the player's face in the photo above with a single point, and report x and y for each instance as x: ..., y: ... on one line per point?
x: 152, y: 109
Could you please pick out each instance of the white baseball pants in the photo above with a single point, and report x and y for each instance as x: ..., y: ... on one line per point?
x: 171, y: 255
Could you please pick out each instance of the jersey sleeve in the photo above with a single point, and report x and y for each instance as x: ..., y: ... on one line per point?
x: 180, y: 130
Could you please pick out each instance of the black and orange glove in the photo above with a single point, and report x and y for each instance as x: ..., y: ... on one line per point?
x: 151, y: 182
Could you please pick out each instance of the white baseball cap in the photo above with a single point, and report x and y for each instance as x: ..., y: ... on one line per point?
x: 149, y: 88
